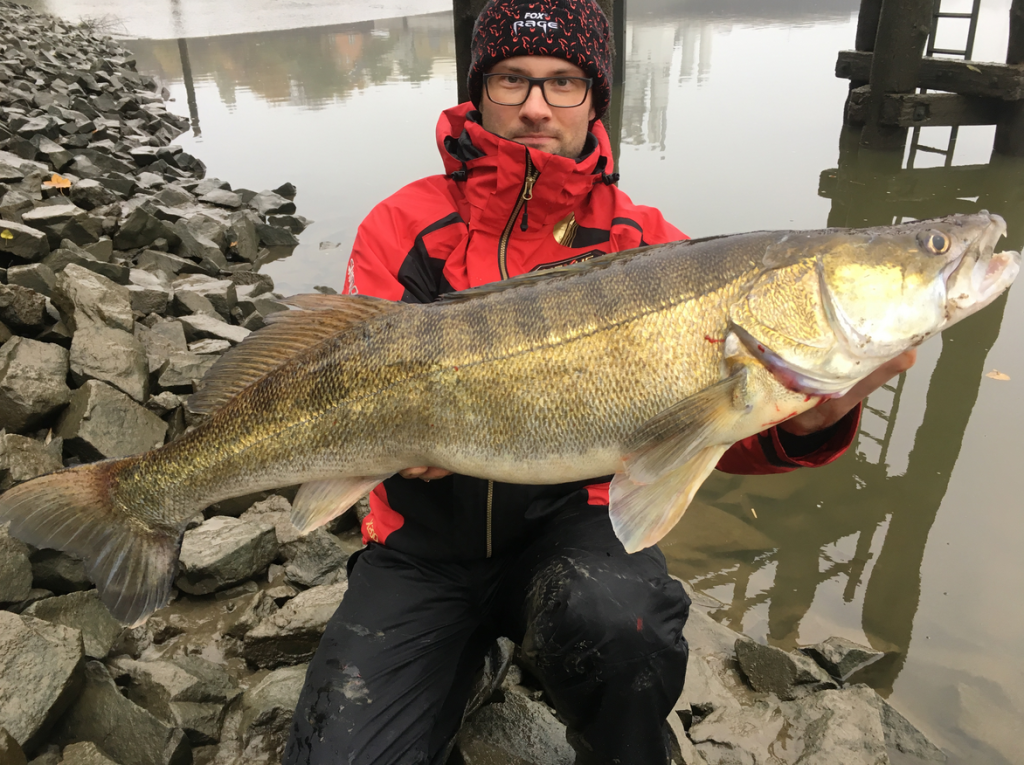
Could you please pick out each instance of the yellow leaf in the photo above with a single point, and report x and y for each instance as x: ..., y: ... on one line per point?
x: 973, y: 68
x: 5, y: 234
x: 58, y: 182
x: 995, y: 374
x: 234, y: 244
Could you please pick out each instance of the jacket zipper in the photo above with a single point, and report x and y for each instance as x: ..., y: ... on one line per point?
x: 524, y: 196
x: 490, y: 502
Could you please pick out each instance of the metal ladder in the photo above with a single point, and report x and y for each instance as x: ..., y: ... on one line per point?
x: 937, y: 14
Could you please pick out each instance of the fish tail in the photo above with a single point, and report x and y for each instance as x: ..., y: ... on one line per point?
x: 132, y: 564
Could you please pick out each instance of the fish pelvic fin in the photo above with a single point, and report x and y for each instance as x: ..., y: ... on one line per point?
x: 643, y: 513
x: 676, y: 435
x: 287, y: 334
x: 133, y: 565
x: 318, y: 502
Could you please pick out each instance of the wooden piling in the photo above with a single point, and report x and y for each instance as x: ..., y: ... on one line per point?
x: 1010, y: 126
x: 899, y: 44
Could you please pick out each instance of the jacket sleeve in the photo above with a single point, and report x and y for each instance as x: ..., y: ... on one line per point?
x: 370, y: 271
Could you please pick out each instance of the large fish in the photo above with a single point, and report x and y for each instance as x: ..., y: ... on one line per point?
x: 647, y: 364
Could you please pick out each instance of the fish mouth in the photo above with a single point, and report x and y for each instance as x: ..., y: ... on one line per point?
x: 980, y: 275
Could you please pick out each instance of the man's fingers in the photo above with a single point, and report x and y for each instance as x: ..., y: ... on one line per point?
x: 426, y: 473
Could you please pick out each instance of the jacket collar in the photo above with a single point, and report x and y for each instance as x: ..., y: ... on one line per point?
x: 491, y: 170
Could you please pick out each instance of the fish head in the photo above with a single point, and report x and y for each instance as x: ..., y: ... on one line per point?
x: 831, y: 306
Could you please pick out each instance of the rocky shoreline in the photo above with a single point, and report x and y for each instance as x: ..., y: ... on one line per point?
x: 124, y: 274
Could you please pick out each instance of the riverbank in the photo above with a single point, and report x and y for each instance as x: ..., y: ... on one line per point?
x: 124, y: 274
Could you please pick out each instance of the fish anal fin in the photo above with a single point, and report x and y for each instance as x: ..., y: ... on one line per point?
x: 132, y: 565
x: 287, y: 334
x: 674, y: 436
x: 318, y: 502
x: 642, y: 513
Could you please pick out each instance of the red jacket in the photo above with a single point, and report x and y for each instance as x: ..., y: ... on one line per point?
x: 499, y: 211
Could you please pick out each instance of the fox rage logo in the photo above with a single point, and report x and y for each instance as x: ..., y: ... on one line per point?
x: 534, y: 21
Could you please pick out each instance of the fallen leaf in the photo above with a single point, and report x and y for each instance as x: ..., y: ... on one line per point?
x: 973, y: 68
x: 234, y: 244
x: 754, y: 512
x: 58, y: 182
x: 5, y: 234
x: 995, y: 374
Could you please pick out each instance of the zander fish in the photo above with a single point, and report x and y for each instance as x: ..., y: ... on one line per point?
x: 647, y: 364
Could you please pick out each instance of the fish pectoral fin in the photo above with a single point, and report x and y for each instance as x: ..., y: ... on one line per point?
x: 317, y: 502
x: 644, y: 513
x: 674, y: 436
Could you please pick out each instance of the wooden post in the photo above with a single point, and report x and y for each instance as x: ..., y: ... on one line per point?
x: 899, y: 44
x: 1010, y: 127
x: 867, y: 28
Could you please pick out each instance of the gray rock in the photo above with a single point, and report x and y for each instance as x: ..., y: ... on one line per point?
x: 32, y: 382
x: 22, y: 459
x: 164, y: 403
x: 15, y: 569
x: 11, y: 752
x: 85, y: 753
x: 772, y: 670
x: 23, y: 241
x: 70, y: 253
x: 161, y: 341
x: 207, y: 185
x: 744, y: 735
x: 84, y: 297
x: 901, y: 735
x: 188, y: 692
x: 313, y: 559
x: 838, y: 726
x: 174, y: 196
x: 85, y: 612
x: 841, y: 657
x: 187, y: 303
x: 183, y: 371
x: 102, y: 422
x: 140, y: 229
x: 275, y: 510
x: 269, y: 203
x: 150, y: 292
x: 128, y: 733
x: 220, y: 292
x: 222, y: 552
x: 242, y: 233
x: 272, y: 236
x: 34, y: 276
x: 113, y: 356
x: 58, y: 571
x: 64, y: 221
x: 267, y: 713
x: 291, y: 635
x: 90, y: 194
x: 164, y: 262
x: 40, y: 674
x: 222, y: 198
x: 196, y: 245
x: 517, y: 730
x: 22, y: 308
x: 199, y: 326
x: 216, y: 347
x: 294, y: 223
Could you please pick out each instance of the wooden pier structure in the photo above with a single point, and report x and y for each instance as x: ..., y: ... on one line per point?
x: 898, y: 83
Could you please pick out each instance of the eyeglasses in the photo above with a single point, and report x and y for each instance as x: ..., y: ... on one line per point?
x: 514, y: 89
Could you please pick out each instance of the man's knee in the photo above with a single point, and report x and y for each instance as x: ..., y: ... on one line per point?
x: 603, y: 613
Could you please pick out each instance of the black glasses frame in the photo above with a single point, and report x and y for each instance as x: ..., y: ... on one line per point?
x: 539, y: 82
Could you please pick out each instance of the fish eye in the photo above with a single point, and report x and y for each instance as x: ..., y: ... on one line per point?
x: 937, y: 243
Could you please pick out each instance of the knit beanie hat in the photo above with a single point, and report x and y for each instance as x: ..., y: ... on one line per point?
x: 574, y: 30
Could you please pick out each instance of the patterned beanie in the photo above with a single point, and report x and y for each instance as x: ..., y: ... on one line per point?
x: 574, y: 30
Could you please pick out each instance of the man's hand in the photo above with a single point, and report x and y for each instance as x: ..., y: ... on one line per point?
x: 425, y: 473
x: 830, y: 411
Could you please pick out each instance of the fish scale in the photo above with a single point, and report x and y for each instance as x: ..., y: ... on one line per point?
x: 647, y: 364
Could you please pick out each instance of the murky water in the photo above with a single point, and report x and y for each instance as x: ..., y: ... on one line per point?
x: 731, y: 122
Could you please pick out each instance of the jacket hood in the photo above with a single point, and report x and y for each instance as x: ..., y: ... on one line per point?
x: 490, y: 170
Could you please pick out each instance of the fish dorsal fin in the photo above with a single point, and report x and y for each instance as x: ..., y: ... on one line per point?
x: 287, y: 334
x: 582, y: 268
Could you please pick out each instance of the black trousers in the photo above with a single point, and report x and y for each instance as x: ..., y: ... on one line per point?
x: 600, y: 628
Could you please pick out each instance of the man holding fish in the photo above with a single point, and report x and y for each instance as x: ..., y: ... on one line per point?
x: 452, y: 562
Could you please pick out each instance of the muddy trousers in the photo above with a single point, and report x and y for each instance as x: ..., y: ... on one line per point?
x: 600, y: 628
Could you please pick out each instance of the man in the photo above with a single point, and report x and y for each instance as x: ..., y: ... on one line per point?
x: 453, y: 562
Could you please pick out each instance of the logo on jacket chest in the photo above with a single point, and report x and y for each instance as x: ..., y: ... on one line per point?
x: 531, y: 21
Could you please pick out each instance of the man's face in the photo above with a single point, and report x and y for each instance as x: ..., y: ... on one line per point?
x: 556, y: 130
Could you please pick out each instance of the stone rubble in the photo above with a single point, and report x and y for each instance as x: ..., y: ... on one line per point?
x: 126, y: 272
